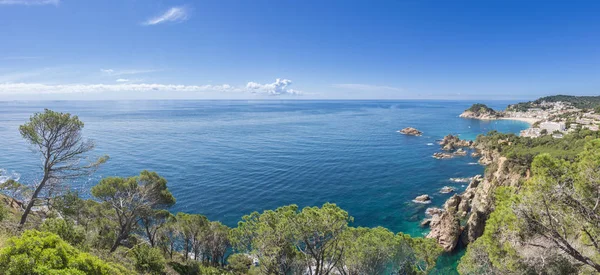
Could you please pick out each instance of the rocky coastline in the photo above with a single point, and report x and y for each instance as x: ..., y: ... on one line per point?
x: 463, y: 216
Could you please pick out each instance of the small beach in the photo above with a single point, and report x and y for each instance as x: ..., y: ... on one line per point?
x: 529, y: 120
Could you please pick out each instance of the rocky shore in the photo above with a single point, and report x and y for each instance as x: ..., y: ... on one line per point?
x: 462, y: 219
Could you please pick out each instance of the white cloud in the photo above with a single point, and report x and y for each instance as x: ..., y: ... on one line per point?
x: 280, y: 86
x: 39, y: 88
x: 174, y: 14
x: 122, y: 80
x: 366, y: 87
x: 29, y: 2
x: 113, y: 72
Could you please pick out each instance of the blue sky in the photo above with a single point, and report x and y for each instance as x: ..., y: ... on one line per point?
x: 255, y: 49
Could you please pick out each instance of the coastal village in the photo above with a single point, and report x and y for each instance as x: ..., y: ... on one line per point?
x: 554, y: 118
x: 546, y: 118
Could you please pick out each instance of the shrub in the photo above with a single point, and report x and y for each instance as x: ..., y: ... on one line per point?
x: 67, y: 230
x: 148, y: 260
x: 37, y: 252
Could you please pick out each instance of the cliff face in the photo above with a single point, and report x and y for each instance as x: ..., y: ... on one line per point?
x: 474, y: 205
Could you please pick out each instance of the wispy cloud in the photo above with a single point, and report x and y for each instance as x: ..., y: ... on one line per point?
x: 174, y: 14
x: 20, y: 57
x: 29, y: 2
x: 366, y: 87
x: 122, y: 80
x: 113, y: 72
x: 279, y: 87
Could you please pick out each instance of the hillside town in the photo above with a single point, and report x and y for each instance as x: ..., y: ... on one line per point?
x: 546, y: 118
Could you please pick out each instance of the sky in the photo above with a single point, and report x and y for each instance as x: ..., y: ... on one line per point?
x: 278, y: 49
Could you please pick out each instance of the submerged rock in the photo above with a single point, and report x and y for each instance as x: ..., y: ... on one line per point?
x: 411, y: 131
x: 447, y: 189
x: 441, y: 155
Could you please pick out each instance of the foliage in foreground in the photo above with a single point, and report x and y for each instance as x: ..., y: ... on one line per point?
x: 319, y: 241
x: 37, y: 252
x: 551, y: 225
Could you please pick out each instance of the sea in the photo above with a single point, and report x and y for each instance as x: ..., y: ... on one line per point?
x: 226, y: 159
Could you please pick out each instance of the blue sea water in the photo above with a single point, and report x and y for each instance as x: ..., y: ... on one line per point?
x: 225, y: 159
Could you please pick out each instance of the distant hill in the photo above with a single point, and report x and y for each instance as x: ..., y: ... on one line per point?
x: 581, y: 102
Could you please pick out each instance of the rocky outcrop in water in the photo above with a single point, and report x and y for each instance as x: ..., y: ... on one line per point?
x: 447, y: 189
x: 445, y: 227
x: 451, y: 143
x: 422, y: 199
x: 410, y: 131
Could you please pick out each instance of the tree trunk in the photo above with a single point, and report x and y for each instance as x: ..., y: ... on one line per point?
x: 32, y: 201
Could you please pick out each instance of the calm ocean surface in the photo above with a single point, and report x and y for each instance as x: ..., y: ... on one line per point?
x: 225, y: 159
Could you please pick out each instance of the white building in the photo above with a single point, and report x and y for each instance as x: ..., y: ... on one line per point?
x: 553, y: 126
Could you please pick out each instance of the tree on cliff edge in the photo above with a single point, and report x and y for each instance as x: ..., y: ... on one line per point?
x: 57, y: 138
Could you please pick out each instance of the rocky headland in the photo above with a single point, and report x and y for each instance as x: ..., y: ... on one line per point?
x: 481, y: 111
x: 463, y: 217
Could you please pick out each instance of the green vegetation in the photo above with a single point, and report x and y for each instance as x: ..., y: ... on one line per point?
x: 479, y: 108
x: 548, y: 226
x: 57, y: 138
x: 521, y: 151
x: 37, y: 252
x: 581, y: 102
x: 126, y: 227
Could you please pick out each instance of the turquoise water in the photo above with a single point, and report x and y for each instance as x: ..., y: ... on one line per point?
x: 225, y: 159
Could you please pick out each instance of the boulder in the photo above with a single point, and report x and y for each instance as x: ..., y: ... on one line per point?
x: 445, y: 228
x: 460, y: 152
x: 441, y: 155
x: 411, y: 131
x: 452, y: 203
x: 422, y: 199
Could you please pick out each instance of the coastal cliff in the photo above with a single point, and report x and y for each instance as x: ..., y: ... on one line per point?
x: 463, y: 218
x: 480, y: 111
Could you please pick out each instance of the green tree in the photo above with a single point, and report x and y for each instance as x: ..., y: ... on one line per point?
x: 57, y: 138
x: 216, y: 241
x: 368, y: 251
x: 317, y: 235
x: 239, y: 264
x: 132, y: 197
x: 147, y: 260
x: 269, y: 237
x: 153, y: 221
x: 167, y: 236
x: 37, y: 252
x: 417, y: 255
x: 561, y: 204
x: 192, y: 228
